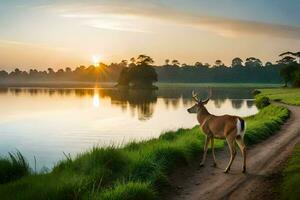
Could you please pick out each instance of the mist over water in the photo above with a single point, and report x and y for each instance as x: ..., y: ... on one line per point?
x: 46, y: 123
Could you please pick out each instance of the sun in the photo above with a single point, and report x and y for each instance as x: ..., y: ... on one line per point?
x: 96, y: 60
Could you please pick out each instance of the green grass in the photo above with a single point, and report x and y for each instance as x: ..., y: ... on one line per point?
x: 285, y: 95
x: 291, y: 176
x: 13, y: 167
x: 129, y: 191
x: 265, y: 123
x: 138, y: 170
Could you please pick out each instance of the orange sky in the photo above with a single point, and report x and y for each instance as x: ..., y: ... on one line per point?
x: 63, y: 34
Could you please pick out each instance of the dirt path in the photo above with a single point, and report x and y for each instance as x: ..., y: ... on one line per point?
x: 264, y: 159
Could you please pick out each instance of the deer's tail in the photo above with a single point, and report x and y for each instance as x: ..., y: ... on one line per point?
x: 240, y: 127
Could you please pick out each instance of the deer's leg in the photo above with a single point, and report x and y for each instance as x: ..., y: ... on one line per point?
x: 213, y: 151
x: 205, y: 151
x: 242, y: 146
x: 231, y: 145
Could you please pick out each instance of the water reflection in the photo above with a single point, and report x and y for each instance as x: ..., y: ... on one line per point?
x: 141, y: 103
x: 96, y: 99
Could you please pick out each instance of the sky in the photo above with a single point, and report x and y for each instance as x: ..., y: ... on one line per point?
x: 68, y: 33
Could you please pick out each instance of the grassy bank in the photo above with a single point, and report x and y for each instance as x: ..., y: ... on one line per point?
x: 285, y: 95
x: 138, y: 170
x: 291, y: 176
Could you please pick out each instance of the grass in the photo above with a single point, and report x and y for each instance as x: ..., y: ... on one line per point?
x: 291, y: 176
x: 265, y: 123
x: 13, y: 167
x: 285, y: 95
x: 138, y: 170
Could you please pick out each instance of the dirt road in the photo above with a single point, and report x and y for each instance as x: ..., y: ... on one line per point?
x: 264, y: 160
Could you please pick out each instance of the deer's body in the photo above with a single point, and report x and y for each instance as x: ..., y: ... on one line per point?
x: 231, y: 128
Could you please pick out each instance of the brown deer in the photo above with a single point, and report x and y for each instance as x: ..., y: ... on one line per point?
x: 231, y: 128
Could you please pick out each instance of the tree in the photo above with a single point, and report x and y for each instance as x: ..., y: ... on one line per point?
x: 287, y: 73
x: 167, y: 61
x: 286, y: 53
x: 295, y: 54
x: 287, y: 60
x: 124, y: 63
x: 132, y: 60
x: 268, y: 64
x: 68, y: 70
x: 184, y: 65
x: 124, y: 78
x: 141, y: 75
x: 144, y: 60
x: 253, y: 62
x: 296, y: 78
x: 219, y: 63
x: 175, y: 63
x: 51, y: 71
x: 198, y: 64
x: 237, y: 62
x: 16, y: 73
x: 3, y: 74
x: 206, y: 65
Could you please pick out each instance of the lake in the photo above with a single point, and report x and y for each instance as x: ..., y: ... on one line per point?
x: 46, y: 123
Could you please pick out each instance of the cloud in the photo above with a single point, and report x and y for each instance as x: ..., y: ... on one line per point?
x: 31, y: 45
x: 128, y: 16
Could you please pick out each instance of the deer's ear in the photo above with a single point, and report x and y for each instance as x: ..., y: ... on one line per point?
x: 205, y: 102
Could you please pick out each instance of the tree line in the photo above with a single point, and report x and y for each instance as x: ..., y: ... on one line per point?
x: 142, y: 68
x: 290, y: 72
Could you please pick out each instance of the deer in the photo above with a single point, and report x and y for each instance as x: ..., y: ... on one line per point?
x: 227, y: 127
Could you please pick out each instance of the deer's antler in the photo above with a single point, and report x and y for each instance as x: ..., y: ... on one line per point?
x: 209, y: 96
x: 195, y: 96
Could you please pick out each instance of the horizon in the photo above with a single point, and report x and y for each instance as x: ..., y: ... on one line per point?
x: 97, y: 64
x: 60, y: 34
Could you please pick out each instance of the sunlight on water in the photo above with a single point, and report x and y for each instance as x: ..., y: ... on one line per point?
x: 96, y: 99
x: 47, y: 122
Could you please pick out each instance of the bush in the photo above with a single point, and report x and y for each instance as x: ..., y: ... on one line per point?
x: 262, y: 102
x: 256, y: 92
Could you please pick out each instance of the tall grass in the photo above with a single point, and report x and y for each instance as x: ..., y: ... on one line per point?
x: 13, y: 167
x: 137, y: 171
x: 291, y: 176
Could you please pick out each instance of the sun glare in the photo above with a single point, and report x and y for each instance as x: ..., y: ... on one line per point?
x: 96, y: 100
x: 96, y: 60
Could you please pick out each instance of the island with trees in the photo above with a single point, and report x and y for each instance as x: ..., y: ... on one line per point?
x: 139, y: 76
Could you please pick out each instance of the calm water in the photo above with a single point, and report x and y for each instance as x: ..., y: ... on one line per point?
x: 47, y: 122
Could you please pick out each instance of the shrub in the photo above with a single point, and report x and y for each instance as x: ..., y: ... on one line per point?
x: 262, y: 102
x: 256, y: 92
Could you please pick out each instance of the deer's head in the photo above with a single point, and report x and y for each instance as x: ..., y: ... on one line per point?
x: 199, y: 104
